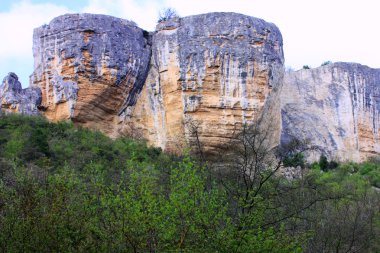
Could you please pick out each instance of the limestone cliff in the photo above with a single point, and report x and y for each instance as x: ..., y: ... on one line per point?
x: 88, y: 67
x: 210, y: 73
x: 15, y: 99
x: 195, y: 78
x: 336, y: 107
x: 214, y: 72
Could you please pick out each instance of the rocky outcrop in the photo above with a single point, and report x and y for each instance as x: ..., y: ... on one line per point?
x: 336, y: 107
x: 14, y: 99
x: 195, y: 79
x: 89, y: 67
x: 209, y: 74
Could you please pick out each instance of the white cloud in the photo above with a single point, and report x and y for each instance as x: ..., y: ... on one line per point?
x: 17, y: 35
x: 18, y: 24
x: 313, y: 31
x: 144, y: 13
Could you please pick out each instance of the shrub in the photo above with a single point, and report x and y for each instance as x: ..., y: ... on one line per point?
x: 306, y: 67
x: 326, y: 165
x: 295, y: 160
x: 323, y: 163
x: 167, y: 14
x: 326, y: 63
x: 68, y: 189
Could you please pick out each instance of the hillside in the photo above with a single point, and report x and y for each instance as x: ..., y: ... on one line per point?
x: 70, y: 189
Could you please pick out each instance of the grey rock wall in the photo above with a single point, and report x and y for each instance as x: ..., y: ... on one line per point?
x: 336, y: 107
x: 14, y: 99
x: 215, y: 71
x: 89, y: 67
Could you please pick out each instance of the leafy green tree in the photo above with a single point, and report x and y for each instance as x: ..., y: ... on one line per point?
x: 68, y: 189
x: 295, y: 160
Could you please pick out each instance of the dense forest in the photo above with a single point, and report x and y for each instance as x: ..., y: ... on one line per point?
x: 70, y: 189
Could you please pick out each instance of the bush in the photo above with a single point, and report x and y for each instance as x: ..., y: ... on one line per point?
x: 68, y: 189
x: 295, y: 161
x: 326, y: 165
x: 326, y: 63
x: 167, y: 14
x: 323, y: 163
x: 306, y: 67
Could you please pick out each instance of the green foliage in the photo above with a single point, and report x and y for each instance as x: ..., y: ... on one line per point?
x: 167, y: 14
x: 323, y: 163
x: 326, y: 63
x: 369, y: 170
x: 326, y: 165
x: 68, y: 189
x: 295, y: 160
x: 347, y: 219
x: 306, y: 67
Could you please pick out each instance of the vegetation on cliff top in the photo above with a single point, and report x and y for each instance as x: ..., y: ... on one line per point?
x: 69, y: 189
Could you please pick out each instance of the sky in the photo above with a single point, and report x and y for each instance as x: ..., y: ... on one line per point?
x: 314, y: 31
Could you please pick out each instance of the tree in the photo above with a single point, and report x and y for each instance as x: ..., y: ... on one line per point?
x: 250, y: 172
x: 79, y: 191
x: 167, y: 14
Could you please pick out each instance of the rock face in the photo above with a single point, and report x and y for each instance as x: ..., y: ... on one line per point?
x: 197, y: 78
x: 336, y: 107
x: 15, y: 99
x: 209, y: 74
x: 89, y: 67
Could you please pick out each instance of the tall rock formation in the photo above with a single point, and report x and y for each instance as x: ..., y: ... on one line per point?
x: 14, y: 99
x: 195, y: 79
x: 209, y: 74
x: 336, y: 107
x: 88, y: 67
x: 213, y: 72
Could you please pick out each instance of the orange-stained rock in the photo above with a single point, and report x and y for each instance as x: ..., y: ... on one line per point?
x: 88, y: 67
x: 195, y: 78
x: 213, y: 72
